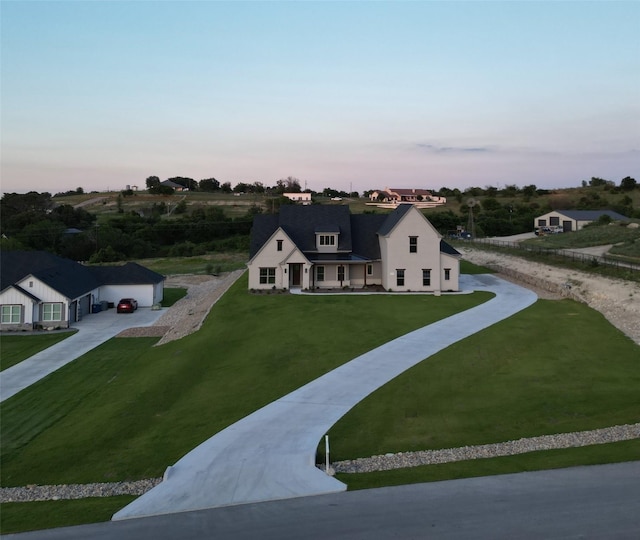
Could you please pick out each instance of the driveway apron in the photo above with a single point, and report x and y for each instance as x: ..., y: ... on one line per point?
x: 270, y: 454
x: 93, y: 330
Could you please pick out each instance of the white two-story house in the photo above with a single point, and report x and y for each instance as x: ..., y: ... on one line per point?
x: 319, y: 247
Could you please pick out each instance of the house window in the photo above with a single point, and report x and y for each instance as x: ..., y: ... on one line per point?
x: 320, y: 273
x: 369, y: 269
x: 413, y: 244
x: 400, y: 277
x: 554, y: 221
x: 267, y: 276
x: 11, y: 314
x: 426, y: 277
x: 340, y: 273
x: 52, y: 312
x: 542, y: 223
x: 447, y: 274
x: 279, y: 242
x: 327, y: 240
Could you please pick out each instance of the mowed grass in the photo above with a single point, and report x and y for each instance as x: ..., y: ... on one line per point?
x: 556, y: 367
x: 51, y: 514
x: 16, y: 348
x: 127, y: 410
x: 533, y: 461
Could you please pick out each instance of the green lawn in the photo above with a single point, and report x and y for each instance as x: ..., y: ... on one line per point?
x: 533, y: 461
x: 171, y: 295
x: 16, y: 348
x: 126, y: 410
x: 556, y: 367
x: 22, y: 517
x: 204, y: 264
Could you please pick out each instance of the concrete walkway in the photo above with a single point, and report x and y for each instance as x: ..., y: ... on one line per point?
x: 93, y: 330
x: 270, y: 454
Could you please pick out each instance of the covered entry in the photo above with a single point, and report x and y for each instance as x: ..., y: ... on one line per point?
x: 295, y: 274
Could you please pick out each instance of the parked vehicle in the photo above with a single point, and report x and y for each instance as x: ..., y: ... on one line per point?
x: 127, y: 305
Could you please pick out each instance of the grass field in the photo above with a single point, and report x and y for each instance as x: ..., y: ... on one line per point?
x: 556, y: 367
x: 127, y: 410
x: 16, y: 348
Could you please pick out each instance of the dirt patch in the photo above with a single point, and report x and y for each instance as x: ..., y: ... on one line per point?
x: 617, y: 300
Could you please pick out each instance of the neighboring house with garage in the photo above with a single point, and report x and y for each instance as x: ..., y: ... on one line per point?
x: 573, y: 220
x: 39, y: 289
x: 321, y: 247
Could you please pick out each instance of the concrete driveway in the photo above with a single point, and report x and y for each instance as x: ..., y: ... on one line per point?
x: 93, y: 330
x: 270, y: 454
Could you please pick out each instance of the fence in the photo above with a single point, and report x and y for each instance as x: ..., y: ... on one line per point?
x: 575, y: 256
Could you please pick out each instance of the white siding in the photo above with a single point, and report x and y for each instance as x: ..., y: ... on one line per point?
x: 270, y: 257
x: 396, y: 255
x: 144, y: 294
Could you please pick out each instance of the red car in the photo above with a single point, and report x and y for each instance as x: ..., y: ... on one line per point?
x: 127, y: 305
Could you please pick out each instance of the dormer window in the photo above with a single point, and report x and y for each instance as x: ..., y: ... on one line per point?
x: 327, y: 240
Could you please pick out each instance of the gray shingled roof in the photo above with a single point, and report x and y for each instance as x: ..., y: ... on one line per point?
x: 590, y: 215
x: 393, y: 218
x: 65, y: 276
x: 68, y: 277
x: 358, y: 232
x: 127, y: 274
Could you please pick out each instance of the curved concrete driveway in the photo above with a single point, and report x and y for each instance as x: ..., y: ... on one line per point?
x: 93, y: 330
x: 270, y: 454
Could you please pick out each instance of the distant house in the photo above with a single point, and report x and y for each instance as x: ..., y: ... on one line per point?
x: 174, y: 185
x: 328, y: 247
x: 421, y: 197
x: 303, y: 198
x: 39, y: 289
x: 573, y: 220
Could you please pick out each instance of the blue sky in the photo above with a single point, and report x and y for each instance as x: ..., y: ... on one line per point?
x: 357, y: 95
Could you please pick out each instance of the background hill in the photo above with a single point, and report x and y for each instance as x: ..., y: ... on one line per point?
x: 163, y: 222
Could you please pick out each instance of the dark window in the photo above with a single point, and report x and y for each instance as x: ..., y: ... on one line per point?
x: 400, y: 277
x: 426, y: 278
x: 340, y: 274
x: 369, y: 269
x: 413, y: 244
x: 327, y: 240
x: 279, y: 245
x: 320, y: 273
x: 447, y: 274
x: 267, y: 276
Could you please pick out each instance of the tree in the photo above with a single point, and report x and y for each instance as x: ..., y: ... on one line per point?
x: 209, y: 184
x: 628, y: 183
x: 290, y: 184
x: 153, y: 182
x: 226, y: 187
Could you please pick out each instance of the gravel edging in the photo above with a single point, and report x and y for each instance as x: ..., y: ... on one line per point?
x: 403, y: 460
x: 76, y: 491
x: 387, y: 462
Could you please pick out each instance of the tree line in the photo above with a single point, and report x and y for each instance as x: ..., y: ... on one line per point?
x: 38, y: 221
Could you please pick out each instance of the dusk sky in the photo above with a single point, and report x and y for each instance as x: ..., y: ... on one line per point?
x: 358, y: 95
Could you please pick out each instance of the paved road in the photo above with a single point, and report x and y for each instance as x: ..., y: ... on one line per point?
x: 595, y: 502
x: 270, y: 454
x: 93, y: 330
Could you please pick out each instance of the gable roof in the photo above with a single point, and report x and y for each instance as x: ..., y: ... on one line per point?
x: 590, y: 215
x: 358, y: 233
x: 128, y: 274
x: 68, y: 277
x: 394, y: 218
